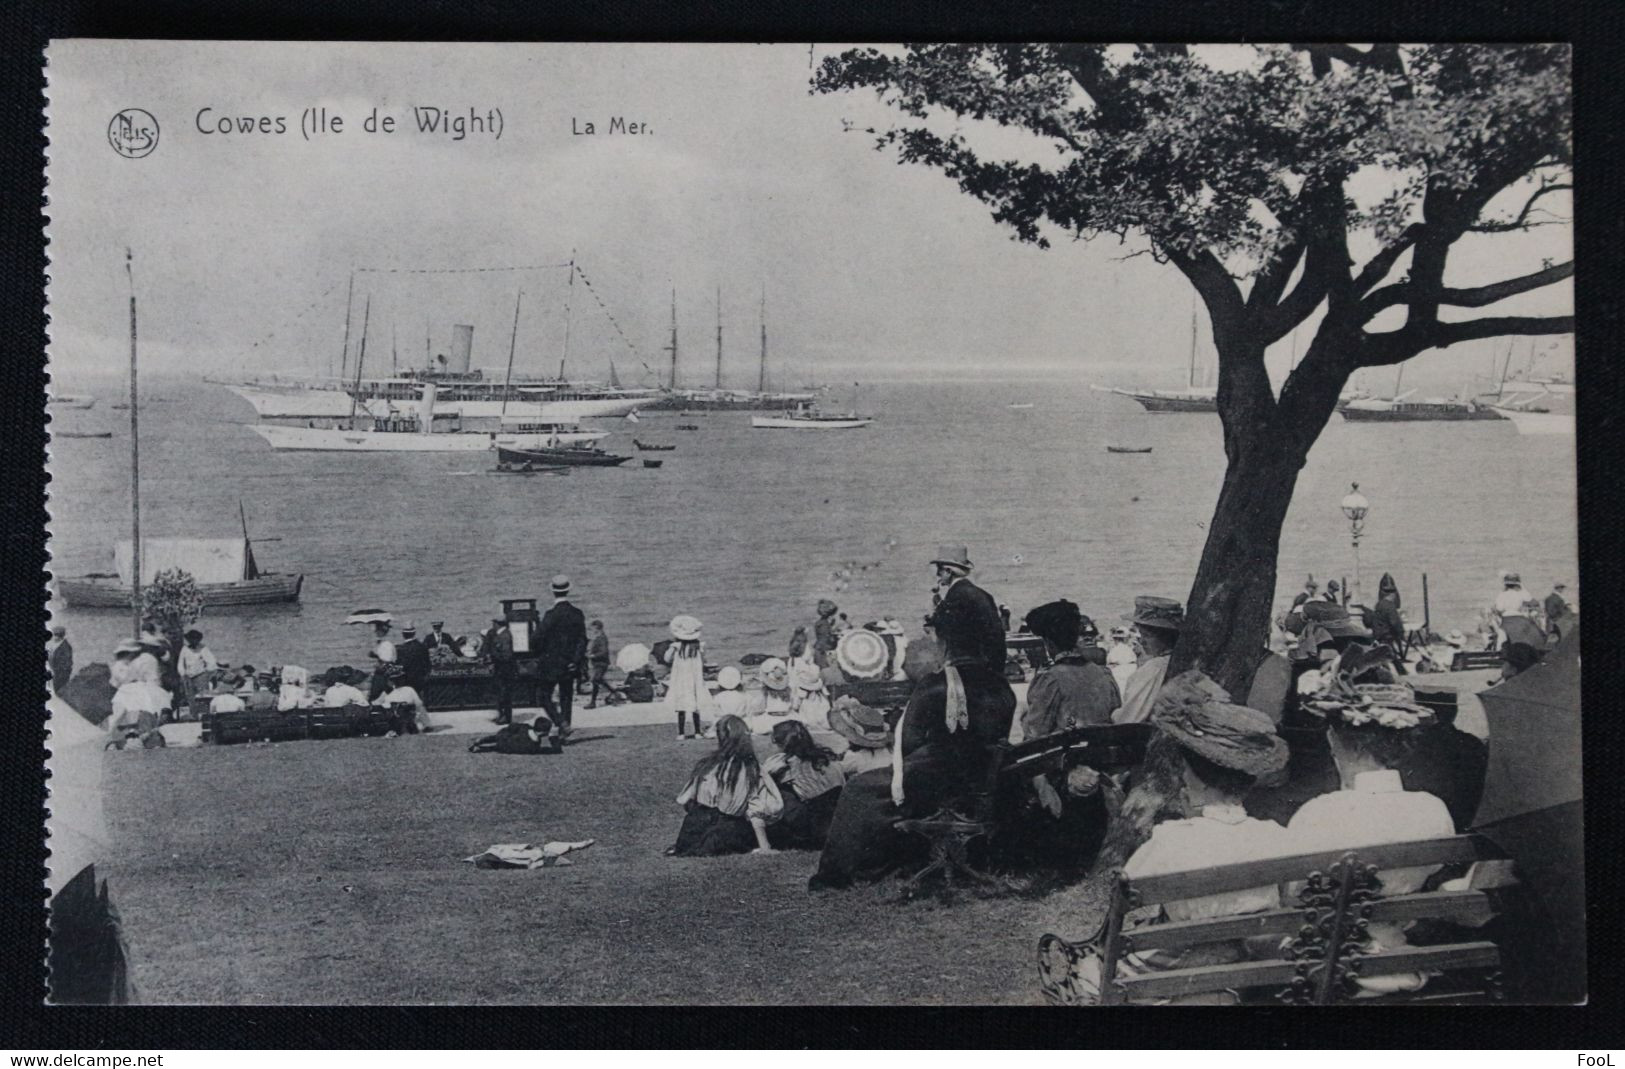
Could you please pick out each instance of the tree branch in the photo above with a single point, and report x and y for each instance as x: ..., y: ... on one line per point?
x: 1472, y: 297
x: 1396, y: 346
x: 1522, y: 219
x: 1377, y: 268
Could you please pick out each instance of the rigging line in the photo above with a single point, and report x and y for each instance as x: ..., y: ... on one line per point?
x: 299, y: 315
x: 607, y: 314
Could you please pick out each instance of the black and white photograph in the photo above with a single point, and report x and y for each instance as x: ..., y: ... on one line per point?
x: 1026, y: 524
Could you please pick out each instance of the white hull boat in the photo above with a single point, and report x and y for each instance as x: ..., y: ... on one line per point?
x: 1540, y: 406
x: 809, y: 423
x: 334, y: 440
x: 336, y: 404
x: 70, y: 401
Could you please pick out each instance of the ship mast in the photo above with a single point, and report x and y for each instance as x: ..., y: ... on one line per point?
x: 719, y: 337
x: 569, y: 289
x: 361, y: 358
x: 349, y: 306
x: 513, y: 343
x: 672, y: 348
x: 135, y: 463
x: 761, y: 374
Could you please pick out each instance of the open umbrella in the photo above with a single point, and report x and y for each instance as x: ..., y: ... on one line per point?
x: 1532, y: 805
x: 369, y: 616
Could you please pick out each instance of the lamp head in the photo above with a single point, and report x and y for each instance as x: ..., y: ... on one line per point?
x: 1355, y: 506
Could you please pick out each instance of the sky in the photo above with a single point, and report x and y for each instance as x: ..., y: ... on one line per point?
x: 244, y: 244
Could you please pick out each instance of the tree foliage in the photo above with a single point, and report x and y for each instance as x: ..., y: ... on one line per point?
x: 1258, y: 172
x: 171, y: 602
x: 1240, y: 174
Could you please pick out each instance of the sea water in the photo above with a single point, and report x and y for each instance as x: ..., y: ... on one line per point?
x: 747, y: 529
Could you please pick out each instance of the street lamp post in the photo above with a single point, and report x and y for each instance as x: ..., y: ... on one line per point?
x: 1355, y: 506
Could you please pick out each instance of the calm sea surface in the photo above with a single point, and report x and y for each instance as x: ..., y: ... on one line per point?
x: 747, y: 529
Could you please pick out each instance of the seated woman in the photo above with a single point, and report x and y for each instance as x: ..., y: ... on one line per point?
x: 769, y: 705
x: 941, y: 753
x: 1372, y: 730
x: 810, y: 779
x: 868, y: 738
x: 1222, y: 750
x: 727, y: 799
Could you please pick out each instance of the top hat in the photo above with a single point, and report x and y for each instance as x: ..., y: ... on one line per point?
x: 862, y: 655
x: 685, y: 629
x: 1151, y: 611
x: 953, y: 557
x: 561, y: 585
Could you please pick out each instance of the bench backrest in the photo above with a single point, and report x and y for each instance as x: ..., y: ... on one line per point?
x: 1326, y: 950
x: 1471, y: 660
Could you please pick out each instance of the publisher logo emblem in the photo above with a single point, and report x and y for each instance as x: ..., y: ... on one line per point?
x: 133, y: 133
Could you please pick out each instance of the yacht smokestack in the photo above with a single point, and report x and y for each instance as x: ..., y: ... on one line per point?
x: 462, y: 348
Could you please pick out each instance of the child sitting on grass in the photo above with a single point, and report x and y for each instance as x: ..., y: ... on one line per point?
x: 810, y: 779
x: 728, y: 800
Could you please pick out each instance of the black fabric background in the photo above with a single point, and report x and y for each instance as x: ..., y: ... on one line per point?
x: 25, y: 27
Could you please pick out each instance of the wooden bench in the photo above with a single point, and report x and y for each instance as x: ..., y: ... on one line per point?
x: 1319, y: 946
x: 949, y: 832
x: 1472, y: 660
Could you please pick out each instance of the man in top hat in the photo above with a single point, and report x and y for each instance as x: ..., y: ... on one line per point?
x: 499, y: 644
x: 561, y: 646
x: 945, y: 738
x: 59, y: 658
x: 1159, y: 621
x: 413, y: 657
x: 967, y: 620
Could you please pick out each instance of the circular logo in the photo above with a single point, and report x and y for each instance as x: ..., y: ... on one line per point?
x: 133, y: 133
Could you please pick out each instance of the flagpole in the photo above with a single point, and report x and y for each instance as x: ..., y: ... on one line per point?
x: 135, y: 463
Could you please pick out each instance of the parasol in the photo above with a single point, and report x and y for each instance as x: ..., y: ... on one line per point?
x: 369, y: 616
x: 1532, y: 807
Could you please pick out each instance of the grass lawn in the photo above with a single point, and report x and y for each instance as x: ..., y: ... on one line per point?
x: 332, y: 872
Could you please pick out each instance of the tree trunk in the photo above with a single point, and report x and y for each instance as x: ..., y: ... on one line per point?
x: 1228, y: 610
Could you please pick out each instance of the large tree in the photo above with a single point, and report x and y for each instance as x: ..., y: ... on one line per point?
x: 1258, y: 173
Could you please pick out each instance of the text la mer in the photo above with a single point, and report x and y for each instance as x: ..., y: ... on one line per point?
x: 619, y: 124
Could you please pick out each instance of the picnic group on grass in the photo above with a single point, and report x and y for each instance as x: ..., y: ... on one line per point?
x: 802, y: 762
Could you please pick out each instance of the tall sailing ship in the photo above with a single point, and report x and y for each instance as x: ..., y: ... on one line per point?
x: 715, y: 398
x: 1539, y: 406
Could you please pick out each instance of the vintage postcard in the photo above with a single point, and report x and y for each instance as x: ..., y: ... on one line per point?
x: 812, y: 524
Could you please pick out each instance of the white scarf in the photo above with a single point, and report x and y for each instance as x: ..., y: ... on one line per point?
x: 957, y: 714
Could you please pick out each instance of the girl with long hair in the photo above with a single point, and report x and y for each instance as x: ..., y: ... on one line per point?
x: 728, y: 800
x: 810, y: 778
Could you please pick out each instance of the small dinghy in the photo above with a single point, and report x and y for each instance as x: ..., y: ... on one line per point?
x: 688, y: 426
x: 1128, y: 449
x: 652, y: 463
x: 649, y: 447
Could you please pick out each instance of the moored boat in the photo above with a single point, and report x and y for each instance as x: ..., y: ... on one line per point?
x: 67, y: 400
x: 1541, y: 406
x: 1128, y: 449
x: 808, y: 419
x: 224, y: 569
x: 650, y: 447
x: 408, y: 439
x: 547, y: 455
x: 1378, y: 410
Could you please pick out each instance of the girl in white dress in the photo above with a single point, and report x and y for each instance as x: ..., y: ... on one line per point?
x: 686, y: 685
